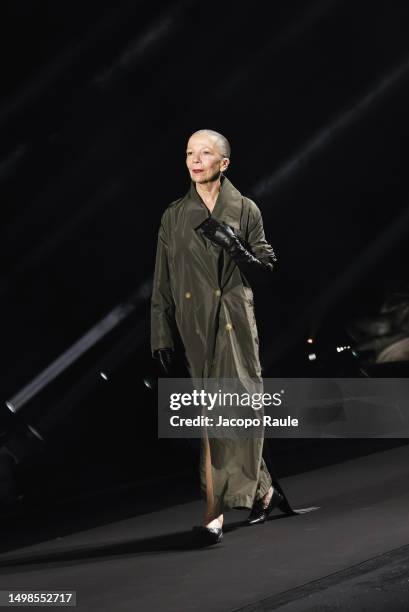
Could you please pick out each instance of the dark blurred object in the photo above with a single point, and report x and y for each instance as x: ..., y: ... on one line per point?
x: 19, y: 442
x: 374, y: 346
x: 384, y: 337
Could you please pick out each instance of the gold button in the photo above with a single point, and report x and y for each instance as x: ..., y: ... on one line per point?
x: 188, y: 294
x: 218, y: 292
x: 229, y: 326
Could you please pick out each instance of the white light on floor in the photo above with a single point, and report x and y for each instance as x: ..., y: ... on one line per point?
x: 147, y: 383
x: 342, y: 348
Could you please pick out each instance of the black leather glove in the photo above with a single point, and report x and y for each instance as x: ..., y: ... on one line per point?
x: 223, y: 235
x: 166, y: 358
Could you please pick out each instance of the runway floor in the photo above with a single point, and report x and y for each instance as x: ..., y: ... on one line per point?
x: 349, y: 551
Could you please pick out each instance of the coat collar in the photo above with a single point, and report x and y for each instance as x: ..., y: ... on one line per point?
x: 228, y: 207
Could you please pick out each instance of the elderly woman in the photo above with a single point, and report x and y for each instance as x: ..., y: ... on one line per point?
x: 211, y: 246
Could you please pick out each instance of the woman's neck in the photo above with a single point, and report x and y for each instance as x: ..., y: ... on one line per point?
x: 209, y: 192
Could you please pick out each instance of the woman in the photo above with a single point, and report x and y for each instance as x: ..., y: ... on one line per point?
x: 211, y: 245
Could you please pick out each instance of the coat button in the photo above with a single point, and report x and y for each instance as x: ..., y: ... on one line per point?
x: 229, y: 326
x: 188, y: 294
x: 218, y: 292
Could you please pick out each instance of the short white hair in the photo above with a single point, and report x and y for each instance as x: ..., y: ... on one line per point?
x: 224, y: 145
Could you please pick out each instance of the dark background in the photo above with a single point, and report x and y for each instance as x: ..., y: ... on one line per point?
x: 98, y: 100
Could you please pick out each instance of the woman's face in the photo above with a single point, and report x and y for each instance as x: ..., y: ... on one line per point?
x: 203, y: 158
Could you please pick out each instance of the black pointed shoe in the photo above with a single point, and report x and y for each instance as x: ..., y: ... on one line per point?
x: 209, y: 535
x: 259, y: 514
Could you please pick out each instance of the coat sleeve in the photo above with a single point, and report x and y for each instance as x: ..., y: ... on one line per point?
x: 257, y: 245
x: 162, y: 304
x: 257, y: 242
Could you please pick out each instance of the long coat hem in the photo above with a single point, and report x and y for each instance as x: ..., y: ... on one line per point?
x: 241, y: 501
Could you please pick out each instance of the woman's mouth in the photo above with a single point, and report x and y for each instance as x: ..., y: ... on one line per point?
x: 197, y: 171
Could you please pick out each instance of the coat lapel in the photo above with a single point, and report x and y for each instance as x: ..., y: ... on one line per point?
x: 228, y: 207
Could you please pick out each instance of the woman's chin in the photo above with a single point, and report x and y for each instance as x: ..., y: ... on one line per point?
x: 198, y: 178
x: 204, y: 178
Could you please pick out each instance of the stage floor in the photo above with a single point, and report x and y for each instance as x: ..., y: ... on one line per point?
x: 349, y: 551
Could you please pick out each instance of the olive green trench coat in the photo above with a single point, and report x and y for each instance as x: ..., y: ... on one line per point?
x: 200, y: 293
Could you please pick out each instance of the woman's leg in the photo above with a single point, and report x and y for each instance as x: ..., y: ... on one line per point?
x: 211, y: 517
x: 264, y: 485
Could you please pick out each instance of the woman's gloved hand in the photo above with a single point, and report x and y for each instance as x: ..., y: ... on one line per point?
x: 166, y: 358
x: 222, y: 235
